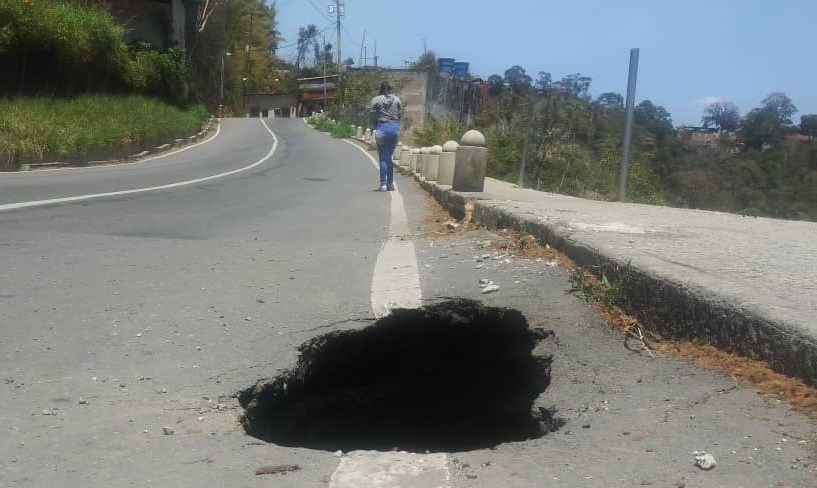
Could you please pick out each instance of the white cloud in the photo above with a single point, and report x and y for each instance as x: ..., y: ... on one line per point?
x: 707, y: 101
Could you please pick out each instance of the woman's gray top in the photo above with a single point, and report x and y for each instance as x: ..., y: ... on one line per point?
x: 386, y: 108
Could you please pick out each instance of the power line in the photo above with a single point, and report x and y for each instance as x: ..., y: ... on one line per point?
x: 296, y: 42
x: 317, y: 9
x: 351, y: 38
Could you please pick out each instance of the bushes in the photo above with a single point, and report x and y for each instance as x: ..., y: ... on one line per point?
x: 433, y: 132
x: 340, y: 130
x: 57, y: 47
x: 148, y: 70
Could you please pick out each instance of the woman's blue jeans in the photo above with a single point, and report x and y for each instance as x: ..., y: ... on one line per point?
x: 387, y: 135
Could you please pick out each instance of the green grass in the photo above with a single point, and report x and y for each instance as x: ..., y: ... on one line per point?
x: 32, y: 126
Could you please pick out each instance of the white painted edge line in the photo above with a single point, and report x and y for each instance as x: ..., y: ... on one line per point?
x: 40, y: 203
x: 371, y: 158
x: 115, y: 165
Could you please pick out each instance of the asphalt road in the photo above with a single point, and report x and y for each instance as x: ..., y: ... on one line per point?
x: 125, y: 314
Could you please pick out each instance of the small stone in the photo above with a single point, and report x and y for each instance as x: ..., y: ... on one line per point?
x: 260, y: 300
x: 490, y: 289
x: 471, y: 476
x: 703, y: 460
x: 198, y: 348
x: 83, y: 401
x: 47, y: 412
x: 139, y: 334
x: 167, y: 431
x: 586, y: 426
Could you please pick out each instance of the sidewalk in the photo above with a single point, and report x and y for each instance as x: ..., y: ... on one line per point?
x: 744, y: 284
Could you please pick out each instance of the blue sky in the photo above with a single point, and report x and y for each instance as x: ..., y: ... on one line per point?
x: 692, y: 51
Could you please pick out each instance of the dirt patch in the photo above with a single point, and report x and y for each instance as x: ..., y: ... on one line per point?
x: 449, y: 377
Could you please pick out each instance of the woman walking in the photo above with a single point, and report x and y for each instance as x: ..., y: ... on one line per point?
x: 385, y: 114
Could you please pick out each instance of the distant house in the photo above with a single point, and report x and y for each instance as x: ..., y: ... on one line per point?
x: 162, y: 23
x: 699, y: 136
x: 317, y: 93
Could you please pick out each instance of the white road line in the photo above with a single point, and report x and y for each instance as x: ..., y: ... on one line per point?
x: 39, y: 203
x: 395, y: 283
x: 370, y: 469
x: 116, y: 165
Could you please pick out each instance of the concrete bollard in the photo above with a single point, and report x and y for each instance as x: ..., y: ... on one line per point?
x: 422, y: 160
x: 415, y: 153
x: 367, y: 136
x: 396, y: 154
x: 471, y: 163
x: 445, y: 173
x: 433, y: 163
x: 359, y: 132
x: 405, y: 155
x: 374, y: 137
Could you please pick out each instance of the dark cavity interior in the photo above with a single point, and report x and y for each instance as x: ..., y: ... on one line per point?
x: 449, y: 377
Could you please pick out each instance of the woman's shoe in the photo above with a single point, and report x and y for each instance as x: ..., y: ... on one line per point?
x: 382, y: 188
x: 390, y: 188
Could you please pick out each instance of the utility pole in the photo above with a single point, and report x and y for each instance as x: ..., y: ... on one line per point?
x: 324, y: 71
x: 246, y: 66
x: 628, y: 126
x: 375, y: 52
x: 362, y: 47
x: 340, y: 10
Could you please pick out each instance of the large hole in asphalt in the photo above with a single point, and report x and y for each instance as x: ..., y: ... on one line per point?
x: 452, y: 376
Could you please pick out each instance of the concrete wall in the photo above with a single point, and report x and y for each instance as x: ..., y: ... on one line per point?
x: 262, y: 102
x: 412, y: 88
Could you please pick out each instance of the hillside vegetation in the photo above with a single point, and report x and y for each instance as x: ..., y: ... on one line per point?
x: 70, y: 82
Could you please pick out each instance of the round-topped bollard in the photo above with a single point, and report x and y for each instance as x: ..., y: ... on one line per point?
x: 422, y: 160
x: 359, y: 132
x: 396, y: 154
x: 367, y: 136
x: 405, y: 154
x: 433, y: 162
x: 445, y: 173
x: 471, y: 163
x: 415, y: 154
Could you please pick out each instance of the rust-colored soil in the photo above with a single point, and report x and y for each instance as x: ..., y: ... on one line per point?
x: 757, y: 374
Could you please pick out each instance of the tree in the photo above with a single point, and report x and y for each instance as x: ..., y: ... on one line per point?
x: 768, y: 124
x: 575, y: 84
x: 654, y: 118
x: 723, y: 115
x: 544, y: 82
x: 611, y: 100
x: 348, y: 62
x: 307, y: 37
x: 495, y: 85
x: 426, y: 62
x: 517, y: 79
x: 781, y: 106
x: 808, y: 125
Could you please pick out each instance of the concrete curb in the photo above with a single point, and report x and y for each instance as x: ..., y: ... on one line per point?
x: 666, y: 306
x: 120, y: 155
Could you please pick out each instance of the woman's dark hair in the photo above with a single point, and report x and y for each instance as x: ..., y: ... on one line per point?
x: 385, y: 88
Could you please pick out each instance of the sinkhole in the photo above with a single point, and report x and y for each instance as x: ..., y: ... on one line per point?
x: 453, y: 376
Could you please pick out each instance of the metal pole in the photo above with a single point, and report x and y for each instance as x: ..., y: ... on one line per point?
x: 628, y: 126
x: 338, y: 5
x: 221, y: 89
x: 324, y: 71
x: 525, y: 147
